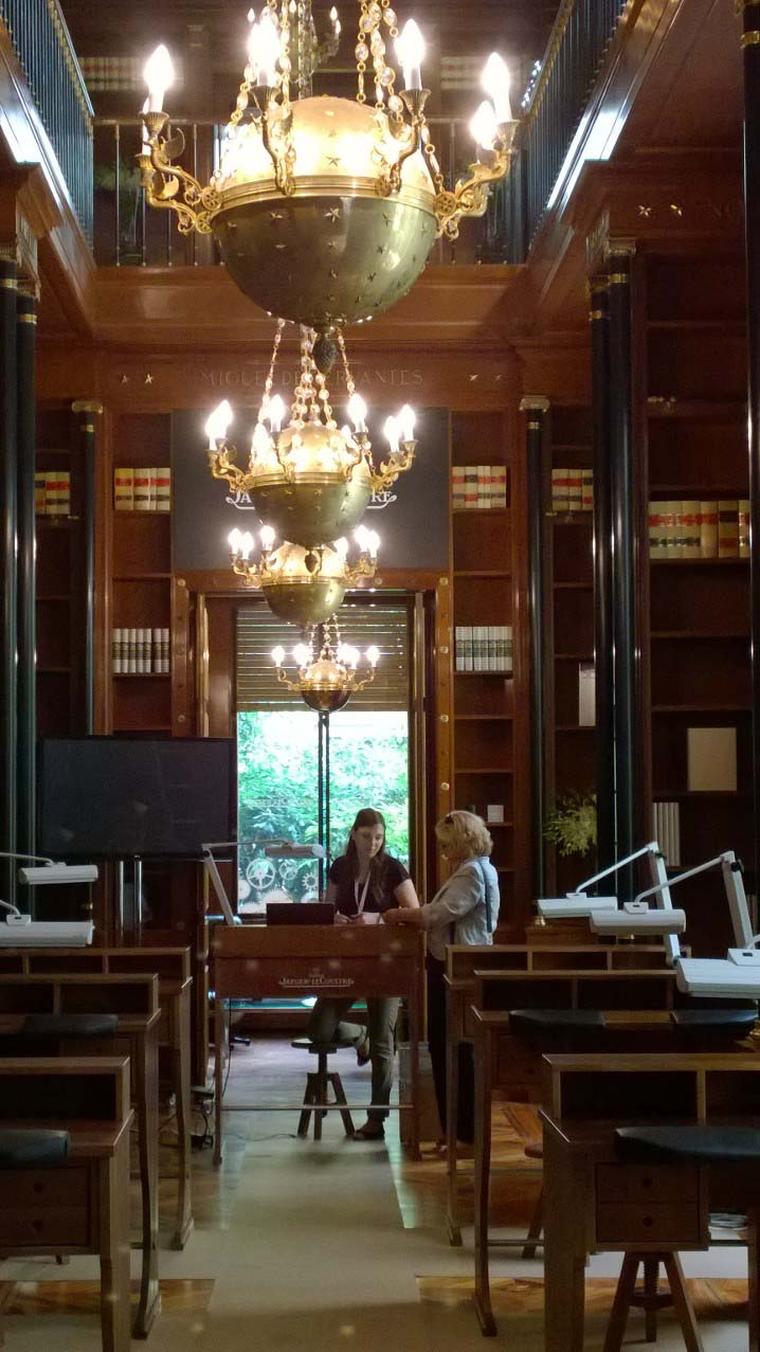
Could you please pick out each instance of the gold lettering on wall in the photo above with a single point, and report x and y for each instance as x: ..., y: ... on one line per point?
x: 253, y: 377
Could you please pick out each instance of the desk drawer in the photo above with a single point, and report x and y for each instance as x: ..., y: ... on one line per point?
x: 43, y: 1227
x: 642, y: 1182
x: 666, y: 1223
x: 41, y: 1188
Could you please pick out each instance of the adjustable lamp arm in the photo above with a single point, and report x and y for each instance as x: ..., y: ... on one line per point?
x: 728, y: 856
x: 651, y: 848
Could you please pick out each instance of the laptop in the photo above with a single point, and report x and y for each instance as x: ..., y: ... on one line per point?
x: 300, y: 913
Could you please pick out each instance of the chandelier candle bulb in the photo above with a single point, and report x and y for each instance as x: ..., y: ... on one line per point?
x: 495, y: 80
x: 483, y: 126
x: 392, y: 433
x: 218, y: 423
x: 410, y: 48
x: 267, y: 536
x: 264, y: 50
x: 278, y: 656
x: 357, y: 412
x: 158, y: 74
x: 406, y: 421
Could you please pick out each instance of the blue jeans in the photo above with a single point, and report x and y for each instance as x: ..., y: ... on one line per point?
x: 327, y: 1024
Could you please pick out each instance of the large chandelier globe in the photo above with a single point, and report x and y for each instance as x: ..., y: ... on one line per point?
x: 311, y: 480
x: 325, y: 208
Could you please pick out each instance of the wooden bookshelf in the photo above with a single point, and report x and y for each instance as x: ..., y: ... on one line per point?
x: 696, y: 610
x: 60, y: 584
x: 482, y: 566
x: 569, y: 595
x: 141, y: 576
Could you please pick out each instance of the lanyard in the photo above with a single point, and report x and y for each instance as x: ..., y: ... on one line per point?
x: 360, y: 900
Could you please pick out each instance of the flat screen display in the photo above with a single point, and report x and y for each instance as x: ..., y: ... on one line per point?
x: 112, y: 797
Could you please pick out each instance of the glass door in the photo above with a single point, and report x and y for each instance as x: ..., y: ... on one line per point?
x: 303, y: 776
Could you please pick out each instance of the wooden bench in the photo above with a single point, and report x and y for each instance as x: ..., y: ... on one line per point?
x: 172, y: 967
x: 135, y: 1000
x: 82, y: 1204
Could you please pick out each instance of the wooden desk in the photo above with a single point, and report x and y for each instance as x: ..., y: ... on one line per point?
x: 594, y: 1202
x: 172, y: 967
x: 135, y: 1000
x: 82, y: 1205
x: 462, y: 962
x: 330, y: 960
x: 636, y: 1007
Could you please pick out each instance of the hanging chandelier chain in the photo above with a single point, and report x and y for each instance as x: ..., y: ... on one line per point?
x: 361, y: 51
x: 350, y: 386
x: 285, y: 51
x: 270, y: 373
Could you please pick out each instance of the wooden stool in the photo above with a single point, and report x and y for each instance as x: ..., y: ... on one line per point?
x: 317, y: 1084
x: 665, y: 1145
x: 650, y: 1300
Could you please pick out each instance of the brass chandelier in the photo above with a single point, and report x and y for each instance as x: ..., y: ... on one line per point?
x: 310, y: 480
x: 325, y: 208
x: 303, y: 586
x: 327, y: 668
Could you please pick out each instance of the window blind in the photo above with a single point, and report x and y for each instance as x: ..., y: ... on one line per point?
x: 387, y: 625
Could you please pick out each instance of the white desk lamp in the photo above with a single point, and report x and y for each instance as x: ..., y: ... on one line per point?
x: 20, y: 931
x: 274, y: 849
x: 738, y: 974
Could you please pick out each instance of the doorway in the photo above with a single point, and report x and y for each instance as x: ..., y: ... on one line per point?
x: 303, y: 776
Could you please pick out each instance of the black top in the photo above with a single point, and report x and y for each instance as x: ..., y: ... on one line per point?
x: 341, y: 875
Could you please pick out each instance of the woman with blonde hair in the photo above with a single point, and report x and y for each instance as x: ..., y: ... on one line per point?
x: 464, y: 911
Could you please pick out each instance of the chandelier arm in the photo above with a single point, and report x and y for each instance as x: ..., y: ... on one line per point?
x: 163, y: 181
x: 245, y: 569
x: 222, y: 467
x: 275, y: 123
x: 397, y: 463
x: 470, y: 194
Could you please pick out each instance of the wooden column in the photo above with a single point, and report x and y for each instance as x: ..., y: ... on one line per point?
x: 86, y: 411
x: 537, y: 407
x: 604, y: 613
x: 623, y: 554
x: 26, y: 692
x: 8, y: 572
x: 750, y: 42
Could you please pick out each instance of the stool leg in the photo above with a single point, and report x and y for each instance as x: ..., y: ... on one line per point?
x: 533, y: 1237
x: 681, y: 1302
x: 303, y: 1121
x: 753, y: 1273
x: 321, y: 1094
x: 346, y: 1118
x: 651, y: 1271
x: 613, y: 1340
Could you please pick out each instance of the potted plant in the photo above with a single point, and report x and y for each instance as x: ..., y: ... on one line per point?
x: 571, y: 826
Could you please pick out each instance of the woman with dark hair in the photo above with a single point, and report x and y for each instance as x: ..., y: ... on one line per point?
x: 362, y: 884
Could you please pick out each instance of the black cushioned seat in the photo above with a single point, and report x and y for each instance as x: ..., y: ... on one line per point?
x: 317, y: 1084
x: 69, y: 1025
x: 732, y: 1020
x: 690, y: 1142
x: 554, y: 1020
x: 305, y: 1044
x: 31, y: 1149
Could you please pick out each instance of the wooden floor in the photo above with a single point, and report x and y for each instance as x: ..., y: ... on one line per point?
x: 271, y: 1069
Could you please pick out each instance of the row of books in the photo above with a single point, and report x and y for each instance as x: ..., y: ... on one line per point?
x: 142, y: 488
x: 666, y: 830
x: 52, y: 492
x: 483, y: 647
x: 699, y: 530
x: 572, y: 490
x: 139, y: 651
x: 478, y: 487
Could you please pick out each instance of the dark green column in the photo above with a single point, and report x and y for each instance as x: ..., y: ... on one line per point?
x: 86, y: 411
x: 8, y: 571
x: 537, y: 407
x: 623, y: 546
x: 26, y: 695
x: 750, y: 42
x: 604, y: 612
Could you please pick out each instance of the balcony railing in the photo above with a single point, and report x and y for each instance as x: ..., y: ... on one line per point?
x: 124, y: 232
x: 128, y: 234
x: 45, y: 52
